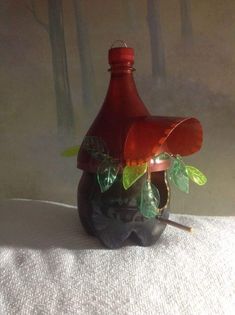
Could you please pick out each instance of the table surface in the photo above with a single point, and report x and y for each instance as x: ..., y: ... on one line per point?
x: 48, y: 265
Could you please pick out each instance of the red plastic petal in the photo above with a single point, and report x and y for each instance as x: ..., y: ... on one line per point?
x: 153, y: 135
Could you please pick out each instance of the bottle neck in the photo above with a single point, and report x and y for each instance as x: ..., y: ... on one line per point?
x: 121, y: 68
x: 122, y: 92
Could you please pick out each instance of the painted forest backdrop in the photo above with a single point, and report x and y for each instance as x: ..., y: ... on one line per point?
x: 53, y: 61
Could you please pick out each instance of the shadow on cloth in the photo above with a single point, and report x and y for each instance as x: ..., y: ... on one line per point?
x: 42, y: 225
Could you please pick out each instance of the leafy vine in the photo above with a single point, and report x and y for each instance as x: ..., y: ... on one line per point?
x: 148, y: 202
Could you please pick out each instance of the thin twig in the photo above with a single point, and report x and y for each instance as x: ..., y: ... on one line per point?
x: 176, y: 224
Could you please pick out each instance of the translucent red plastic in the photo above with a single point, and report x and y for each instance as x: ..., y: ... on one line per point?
x: 127, y: 128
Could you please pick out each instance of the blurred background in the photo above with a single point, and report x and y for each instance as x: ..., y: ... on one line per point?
x: 53, y: 80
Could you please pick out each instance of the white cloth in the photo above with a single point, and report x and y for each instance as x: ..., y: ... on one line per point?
x: 48, y: 265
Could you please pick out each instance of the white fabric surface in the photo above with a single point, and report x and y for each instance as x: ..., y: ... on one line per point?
x: 48, y: 265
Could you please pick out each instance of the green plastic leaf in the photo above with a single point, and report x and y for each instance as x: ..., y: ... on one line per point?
x: 149, y: 200
x: 161, y: 157
x: 96, y: 147
x: 71, y: 151
x: 195, y: 175
x: 107, y: 173
x: 132, y: 173
x: 156, y: 159
x: 178, y: 174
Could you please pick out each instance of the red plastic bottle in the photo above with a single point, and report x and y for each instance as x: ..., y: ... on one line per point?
x: 113, y: 216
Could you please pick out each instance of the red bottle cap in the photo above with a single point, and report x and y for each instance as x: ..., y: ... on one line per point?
x: 119, y: 55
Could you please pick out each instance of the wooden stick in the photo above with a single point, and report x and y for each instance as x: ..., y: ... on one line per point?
x: 176, y: 224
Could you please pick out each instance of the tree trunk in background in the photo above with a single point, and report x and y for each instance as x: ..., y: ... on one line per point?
x: 156, y: 42
x: 65, y: 116
x: 131, y: 13
x: 87, y: 71
x: 186, y: 21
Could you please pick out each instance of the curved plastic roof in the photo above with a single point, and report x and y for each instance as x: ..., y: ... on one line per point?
x: 145, y: 137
